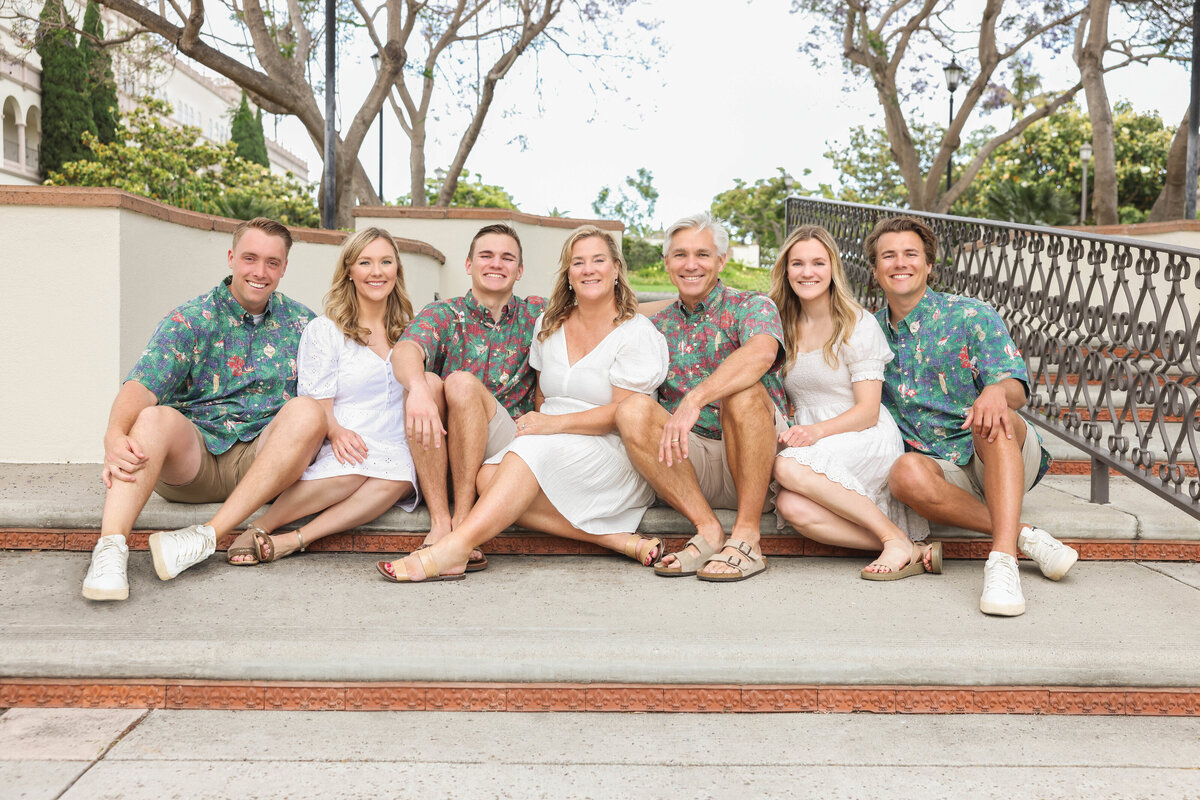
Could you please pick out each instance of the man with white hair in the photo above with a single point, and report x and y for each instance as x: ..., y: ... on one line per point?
x: 711, y: 442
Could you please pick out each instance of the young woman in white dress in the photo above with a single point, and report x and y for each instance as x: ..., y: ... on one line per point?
x: 832, y: 474
x: 364, y: 467
x: 566, y: 472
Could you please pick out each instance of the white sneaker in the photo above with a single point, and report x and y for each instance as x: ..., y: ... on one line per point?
x: 1001, y: 587
x: 175, y: 551
x: 106, y: 576
x: 1052, y: 556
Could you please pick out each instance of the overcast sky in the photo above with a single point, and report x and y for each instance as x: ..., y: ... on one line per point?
x: 730, y: 98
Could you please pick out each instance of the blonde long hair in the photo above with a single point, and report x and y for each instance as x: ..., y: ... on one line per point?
x: 842, y: 305
x: 341, y: 301
x: 562, y: 299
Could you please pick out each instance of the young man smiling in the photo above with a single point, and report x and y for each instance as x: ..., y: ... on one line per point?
x: 711, y: 443
x: 954, y: 389
x: 464, y: 364
x: 209, y: 413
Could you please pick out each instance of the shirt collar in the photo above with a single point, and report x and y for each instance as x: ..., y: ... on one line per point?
x: 924, y: 308
x: 481, y: 311
x: 229, y: 304
x: 712, y: 299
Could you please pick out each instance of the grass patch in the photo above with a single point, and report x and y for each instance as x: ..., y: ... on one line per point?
x: 735, y: 275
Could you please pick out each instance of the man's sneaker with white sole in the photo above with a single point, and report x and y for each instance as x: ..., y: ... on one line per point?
x: 106, y: 576
x: 175, y: 551
x: 1052, y: 556
x: 1001, y: 586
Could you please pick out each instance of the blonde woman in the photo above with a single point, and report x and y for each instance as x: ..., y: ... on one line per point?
x: 364, y: 467
x: 832, y: 474
x: 566, y: 472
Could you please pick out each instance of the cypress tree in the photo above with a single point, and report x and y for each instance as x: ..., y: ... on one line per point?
x: 246, y: 131
x: 102, y: 88
x: 66, y: 110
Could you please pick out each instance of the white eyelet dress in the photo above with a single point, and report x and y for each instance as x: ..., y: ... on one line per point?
x: 367, y: 399
x: 858, y: 460
x: 589, y: 479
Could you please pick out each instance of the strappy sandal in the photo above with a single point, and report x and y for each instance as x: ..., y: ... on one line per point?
x: 688, y: 564
x: 634, y: 544
x: 916, y: 566
x: 263, y: 543
x: 245, y: 550
x: 744, y: 560
x: 473, y: 564
x: 428, y: 566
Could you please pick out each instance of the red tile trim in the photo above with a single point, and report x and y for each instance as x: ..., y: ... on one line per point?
x: 270, y: 695
x: 520, y: 543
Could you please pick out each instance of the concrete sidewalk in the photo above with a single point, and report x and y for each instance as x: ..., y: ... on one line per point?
x: 331, y: 617
x: 70, y: 496
x: 148, y: 755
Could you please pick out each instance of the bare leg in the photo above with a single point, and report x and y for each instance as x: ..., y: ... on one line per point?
x: 748, y: 429
x: 1004, y: 483
x: 285, y: 449
x: 173, y: 453
x: 372, y: 497
x: 299, y: 500
x: 469, y: 406
x: 640, y: 422
x: 432, y: 464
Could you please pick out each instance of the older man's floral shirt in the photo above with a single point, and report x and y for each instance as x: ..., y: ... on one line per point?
x: 948, y: 349
x: 701, y: 339
x: 459, y: 334
x: 228, y: 375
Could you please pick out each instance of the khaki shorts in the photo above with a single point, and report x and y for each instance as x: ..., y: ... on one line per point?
x: 502, y: 429
x: 711, y: 465
x: 217, y: 476
x: 969, y: 477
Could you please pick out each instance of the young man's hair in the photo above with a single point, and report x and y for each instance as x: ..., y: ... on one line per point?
x: 701, y: 222
x: 268, y: 226
x: 901, y: 225
x: 501, y: 228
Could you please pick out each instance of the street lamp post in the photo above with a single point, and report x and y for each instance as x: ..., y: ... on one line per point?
x: 1085, y: 155
x: 954, y: 76
x: 375, y: 63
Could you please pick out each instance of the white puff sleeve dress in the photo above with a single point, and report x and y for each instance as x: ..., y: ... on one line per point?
x: 858, y: 460
x: 367, y: 399
x: 589, y: 479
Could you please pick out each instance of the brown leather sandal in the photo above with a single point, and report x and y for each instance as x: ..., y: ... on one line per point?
x: 688, y: 564
x: 633, y: 547
x: 428, y: 566
x: 245, y: 550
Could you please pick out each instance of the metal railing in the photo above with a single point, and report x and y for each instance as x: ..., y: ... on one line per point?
x: 1108, y: 327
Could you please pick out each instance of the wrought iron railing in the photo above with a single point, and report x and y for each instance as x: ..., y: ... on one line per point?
x: 1108, y: 327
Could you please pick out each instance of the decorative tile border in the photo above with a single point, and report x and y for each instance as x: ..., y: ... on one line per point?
x: 716, y: 698
x: 519, y: 543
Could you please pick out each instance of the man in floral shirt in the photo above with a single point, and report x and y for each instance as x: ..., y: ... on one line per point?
x: 209, y: 413
x: 711, y: 444
x: 464, y: 363
x: 954, y: 389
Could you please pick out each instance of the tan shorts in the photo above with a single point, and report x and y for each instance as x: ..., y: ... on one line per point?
x: 217, y: 476
x: 711, y: 464
x: 969, y: 477
x: 502, y: 429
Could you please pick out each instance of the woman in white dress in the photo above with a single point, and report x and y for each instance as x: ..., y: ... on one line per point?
x: 832, y: 474
x: 364, y: 467
x: 567, y: 473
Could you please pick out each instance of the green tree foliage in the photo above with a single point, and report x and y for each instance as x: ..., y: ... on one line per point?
x: 467, y: 193
x: 245, y: 131
x: 66, y: 109
x: 101, y: 86
x: 1029, y: 203
x: 640, y: 254
x: 174, y: 165
x: 755, y: 211
x: 632, y: 203
x: 1047, y: 154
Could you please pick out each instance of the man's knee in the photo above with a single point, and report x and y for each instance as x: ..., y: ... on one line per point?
x: 635, y: 415
x: 462, y: 389
x: 914, y: 478
x: 303, y: 416
x: 436, y: 385
x: 743, y: 404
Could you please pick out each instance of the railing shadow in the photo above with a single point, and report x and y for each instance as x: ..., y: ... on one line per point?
x: 1108, y: 326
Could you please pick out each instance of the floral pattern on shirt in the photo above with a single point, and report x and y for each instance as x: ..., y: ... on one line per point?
x: 459, y: 334
x: 226, y: 374
x: 948, y: 349
x: 700, y: 340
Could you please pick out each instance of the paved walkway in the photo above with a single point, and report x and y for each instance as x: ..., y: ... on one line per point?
x: 131, y: 755
x: 331, y: 617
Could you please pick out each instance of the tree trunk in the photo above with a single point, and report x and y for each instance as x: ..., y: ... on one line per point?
x: 1172, y: 199
x: 1089, y: 55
